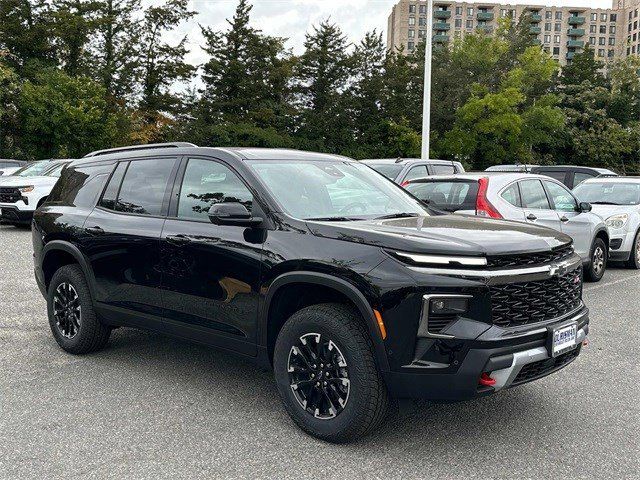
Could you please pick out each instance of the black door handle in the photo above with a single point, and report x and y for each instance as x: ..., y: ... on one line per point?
x: 564, y: 219
x: 94, y: 230
x: 531, y: 217
x: 178, y: 239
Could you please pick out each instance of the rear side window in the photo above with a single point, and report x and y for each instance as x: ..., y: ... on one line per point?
x: 512, y: 195
x: 111, y: 193
x: 533, y: 195
x: 443, y: 169
x: 417, y: 172
x: 80, y: 186
x: 389, y: 170
x: 447, y: 196
x: 558, y: 175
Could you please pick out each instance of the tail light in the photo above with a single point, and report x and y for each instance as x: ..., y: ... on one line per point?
x: 484, y: 208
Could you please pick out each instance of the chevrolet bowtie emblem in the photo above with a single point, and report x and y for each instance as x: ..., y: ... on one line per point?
x: 557, y: 270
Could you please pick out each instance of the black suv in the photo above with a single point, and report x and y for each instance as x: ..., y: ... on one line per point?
x: 312, y: 264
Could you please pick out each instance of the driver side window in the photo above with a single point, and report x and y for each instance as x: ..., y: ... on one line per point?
x: 561, y: 198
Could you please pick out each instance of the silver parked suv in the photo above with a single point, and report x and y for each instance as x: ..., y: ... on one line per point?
x: 528, y: 198
x: 617, y: 201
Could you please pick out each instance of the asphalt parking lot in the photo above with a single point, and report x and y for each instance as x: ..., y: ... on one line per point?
x: 153, y: 407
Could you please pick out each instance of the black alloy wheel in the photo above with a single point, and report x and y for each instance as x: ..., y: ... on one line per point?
x: 67, y: 310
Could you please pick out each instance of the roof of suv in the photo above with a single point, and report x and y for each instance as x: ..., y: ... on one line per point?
x: 403, y: 160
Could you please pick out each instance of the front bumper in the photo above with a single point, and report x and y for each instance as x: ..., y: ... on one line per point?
x: 621, y: 245
x: 12, y: 214
x: 509, y: 359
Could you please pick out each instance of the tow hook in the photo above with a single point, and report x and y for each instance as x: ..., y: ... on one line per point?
x: 486, y: 380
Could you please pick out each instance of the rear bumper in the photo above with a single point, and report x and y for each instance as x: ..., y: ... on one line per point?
x: 13, y: 214
x: 509, y: 363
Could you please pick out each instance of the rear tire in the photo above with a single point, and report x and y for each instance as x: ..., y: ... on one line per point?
x: 72, y: 319
x: 355, y: 400
x: 634, y: 258
x: 598, y: 261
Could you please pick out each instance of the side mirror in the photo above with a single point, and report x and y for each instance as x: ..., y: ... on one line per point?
x: 232, y: 214
x: 585, y: 207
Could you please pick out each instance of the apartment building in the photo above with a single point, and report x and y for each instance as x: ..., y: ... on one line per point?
x: 562, y: 31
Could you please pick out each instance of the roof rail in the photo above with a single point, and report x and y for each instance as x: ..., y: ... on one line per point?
x: 134, y: 148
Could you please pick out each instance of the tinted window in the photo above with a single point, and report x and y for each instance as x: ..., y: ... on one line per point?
x: 533, y: 195
x: 561, y: 197
x: 144, y: 186
x: 448, y: 196
x: 512, y: 195
x: 111, y: 193
x: 79, y: 186
x: 206, y: 183
x: 443, y: 169
x: 560, y: 176
x: 580, y: 177
x: 389, y: 170
x: 417, y: 172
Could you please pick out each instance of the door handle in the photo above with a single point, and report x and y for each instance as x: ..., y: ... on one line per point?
x: 94, y: 230
x: 564, y: 219
x: 531, y: 217
x: 178, y: 239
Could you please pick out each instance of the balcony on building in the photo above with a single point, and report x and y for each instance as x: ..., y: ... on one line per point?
x: 485, y: 28
x: 575, y: 44
x: 441, y: 26
x: 535, y: 30
x: 443, y: 14
x: 575, y: 32
x: 570, y: 55
x: 485, y: 16
x: 576, y: 20
x: 440, y: 38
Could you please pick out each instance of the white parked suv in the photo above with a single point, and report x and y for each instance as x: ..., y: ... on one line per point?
x: 27, y: 189
x: 617, y: 201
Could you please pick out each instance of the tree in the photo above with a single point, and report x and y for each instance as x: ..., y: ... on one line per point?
x: 162, y: 65
x: 9, y: 120
x: 63, y: 116
x: 584, y: 68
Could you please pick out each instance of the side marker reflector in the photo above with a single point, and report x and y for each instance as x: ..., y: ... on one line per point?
x: 383, y: 330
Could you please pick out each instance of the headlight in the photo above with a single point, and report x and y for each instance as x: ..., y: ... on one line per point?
x: 27, y: 189
x: 617, y: 221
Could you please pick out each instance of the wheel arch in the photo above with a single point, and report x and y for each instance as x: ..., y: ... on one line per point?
x: 58, y: 253
x: 603, y: 234
x: 322, y: 284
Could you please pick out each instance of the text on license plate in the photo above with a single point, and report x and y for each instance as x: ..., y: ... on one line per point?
x: 564, y: 339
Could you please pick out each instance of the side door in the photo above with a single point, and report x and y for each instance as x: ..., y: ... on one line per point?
x: 536, y: 206
x: 211, y: 273
x: 573, y: 222
x: 121, y: 238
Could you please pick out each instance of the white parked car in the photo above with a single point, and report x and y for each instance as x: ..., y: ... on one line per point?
x: 28, y: 188
x: 617, y: 201
x: 528, y: 198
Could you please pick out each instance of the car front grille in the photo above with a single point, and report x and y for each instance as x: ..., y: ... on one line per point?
x: 528, y: 259
x: 9, y: 195
x: 541, y: 368
x: 517, y: 304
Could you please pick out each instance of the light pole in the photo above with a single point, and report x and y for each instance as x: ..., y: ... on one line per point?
x: 426, y: 102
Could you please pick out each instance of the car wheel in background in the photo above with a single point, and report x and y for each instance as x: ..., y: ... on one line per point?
x: 634, y: 258
x: 598, y: 262
x: 327, y: 376
x: 72, y: 319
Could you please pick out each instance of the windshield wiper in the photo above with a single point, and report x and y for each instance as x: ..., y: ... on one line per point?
x: 604, y: 203
x: 397, y: 215
x: 334, y: 219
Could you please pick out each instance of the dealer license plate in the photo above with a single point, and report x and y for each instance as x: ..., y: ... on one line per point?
x: 563, y: 339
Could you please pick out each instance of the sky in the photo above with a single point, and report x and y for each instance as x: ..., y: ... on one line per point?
x: 293, y: 18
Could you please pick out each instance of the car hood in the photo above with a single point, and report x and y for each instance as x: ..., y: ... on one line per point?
x: 446, y: 234
x: 605, y: 211
x: 13, y: 181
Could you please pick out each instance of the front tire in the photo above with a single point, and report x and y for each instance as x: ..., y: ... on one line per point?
x: 73, y: 322
x: 327, y: 376
x: 634, y: 258
x: 598, y: 261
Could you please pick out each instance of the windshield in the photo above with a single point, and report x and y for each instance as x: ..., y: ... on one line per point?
x: 448, y: 196
x: 55, y: 171
x: 389, y: 170
x: 33, y: 169
x: 607, y: 193
x: 321, y: 190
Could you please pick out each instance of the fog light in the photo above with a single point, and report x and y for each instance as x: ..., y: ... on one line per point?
x: 449, y: 306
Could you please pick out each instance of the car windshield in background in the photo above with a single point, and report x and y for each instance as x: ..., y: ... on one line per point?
x: 32, y: 169
x: 446, y: 196
x: 389, y: 170
x: 321, y: 190
x: 55, y: 170
x: 608, y: 193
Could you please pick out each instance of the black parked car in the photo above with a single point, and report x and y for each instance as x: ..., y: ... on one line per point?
x: 570, y: 175
x: 312, y: 264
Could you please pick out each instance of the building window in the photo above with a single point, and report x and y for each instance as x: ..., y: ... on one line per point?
x: 603, y: 29
x: 422, y: 21
x: 503, y: 12
x: 470, y: 12
x: 412, y: 33
x: 635, y: 25
x: 612, y: 29
x: 593, y: 29
x: 548, y: 14
x: 613, y: 17
x: 558, y: 15
x: 412, y: 9
x: 633, y: 49
x: 603, y: 17
x: 556, y: 50
x: 601, y: 52
x: 556, y: 39
x: 547, y: 39
x: 592, y: 40
x: 602, y: 41
x: 412, y: 21
x: 547, y: 27
x: 422, y: 33
x: 635, y: 13
x: 458, y: 10
x: 628, y: 51
x: 612, y: 41
x: 423, y: 9
x: 610, y: 53
x: 458, y: 23
x: 469, y: 23
x: 594, y: 17
x: 557, y: 27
